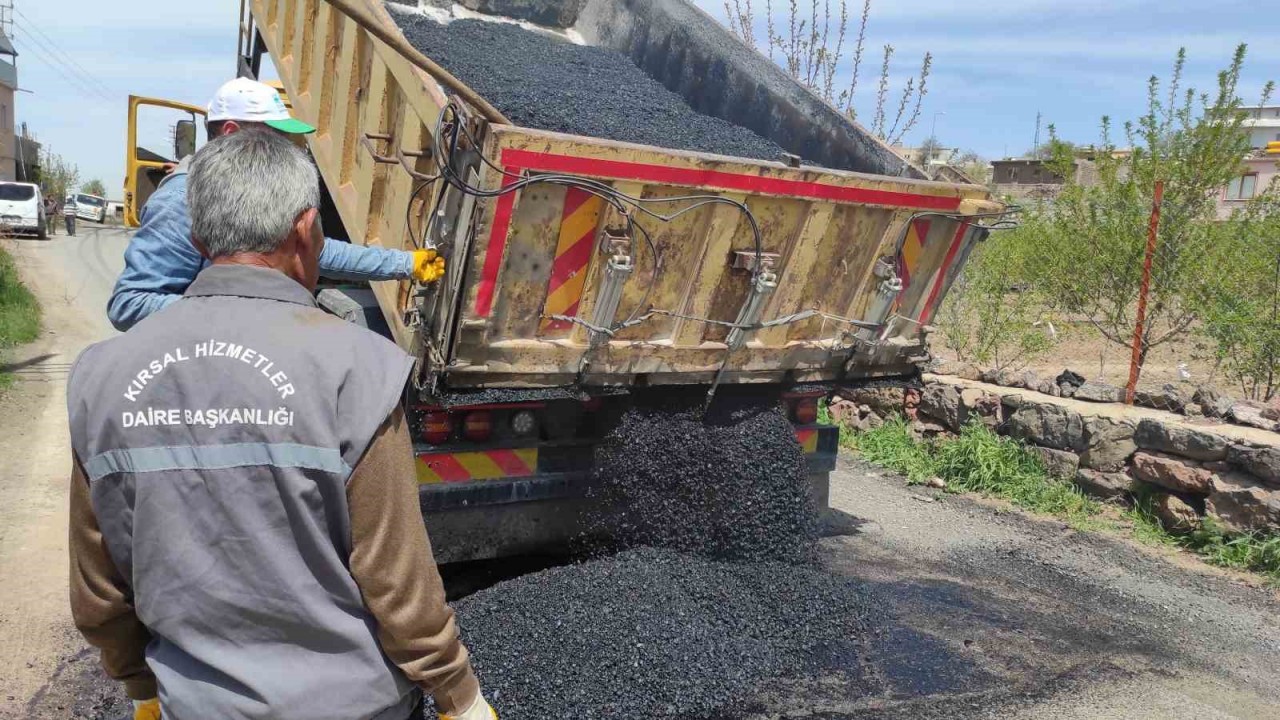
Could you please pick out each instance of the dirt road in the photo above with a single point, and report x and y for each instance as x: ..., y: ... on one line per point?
x: 72, y: 277
x: 982, y: 612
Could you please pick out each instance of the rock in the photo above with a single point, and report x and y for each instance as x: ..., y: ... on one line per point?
x: 871, y: 421
x: 1029, y: 380
x: 1047, y: 387
x: 882, y: 400
x: 911, y: 403
x: 1245, y: 508
x: 1105, y: 484
x: 977, y: 403
x: 1058, y: 463
x: 942, y: 403
x: 1272, y: 410
x: 1099, y: 392
x: 1108, y: 443
x: 1211, y: 402
x: 1175, y: 514
x: 1047, y: 425
x: 966, y: 371
x: 1169, y: 397
x: 1250, y: 414
x: 843, y: 412
x: 1070, y: 378
x: 1264, y: 462
x: 926, y: 430
x: 936, y: 482
x: 1179, y: 440
x: 1172, y: 473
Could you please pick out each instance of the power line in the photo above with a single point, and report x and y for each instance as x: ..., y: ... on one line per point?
x: 87, y: 81
x: 72, y: 80
x: 29, y: 25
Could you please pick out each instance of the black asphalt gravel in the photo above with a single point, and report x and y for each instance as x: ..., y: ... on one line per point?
x: 727, y: 484
x: 541, y: 82
x: 654, y: 633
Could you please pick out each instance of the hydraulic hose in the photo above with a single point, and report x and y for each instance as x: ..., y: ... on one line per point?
x: 357, y: 11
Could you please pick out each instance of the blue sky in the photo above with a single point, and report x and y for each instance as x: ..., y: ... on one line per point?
x: 996, y: 63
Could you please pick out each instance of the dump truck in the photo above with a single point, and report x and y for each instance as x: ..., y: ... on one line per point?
x: 582, y: 270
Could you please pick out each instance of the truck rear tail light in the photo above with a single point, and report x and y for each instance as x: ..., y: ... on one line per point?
x: 806, y: 411
x: 477, y: 426
x: 524, y: 423
x: 437, y: 426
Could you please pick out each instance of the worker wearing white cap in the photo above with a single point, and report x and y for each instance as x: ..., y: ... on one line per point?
x: 161, y: 262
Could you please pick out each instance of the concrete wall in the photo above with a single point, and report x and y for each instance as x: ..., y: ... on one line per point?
x: 8, y: 141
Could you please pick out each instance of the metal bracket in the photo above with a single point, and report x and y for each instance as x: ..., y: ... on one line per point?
x: 746, y: 260
x: 401, y: 157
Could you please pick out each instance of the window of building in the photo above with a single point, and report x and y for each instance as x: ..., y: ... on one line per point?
x: 1242, y: 188
x: 4, y: 116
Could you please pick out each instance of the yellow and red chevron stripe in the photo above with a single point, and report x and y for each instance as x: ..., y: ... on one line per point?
x: 478, y: 465
x: 573, y: 254
x: 808, y: 440
x: 912, y: 250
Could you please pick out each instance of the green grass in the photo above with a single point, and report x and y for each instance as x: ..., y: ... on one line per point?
x: 19, y: 311
x: 979, y: 461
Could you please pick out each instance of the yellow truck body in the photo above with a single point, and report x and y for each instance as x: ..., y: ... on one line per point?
x: 856, y: 263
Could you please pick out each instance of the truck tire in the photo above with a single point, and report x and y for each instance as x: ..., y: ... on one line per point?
x: 43, y: 232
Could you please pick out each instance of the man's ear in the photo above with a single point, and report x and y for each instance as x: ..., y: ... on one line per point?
x: 303, y: 226
x: 200, y: 247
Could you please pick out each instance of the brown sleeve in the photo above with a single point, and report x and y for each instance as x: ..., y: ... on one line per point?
x: 391, y: 561
x: 101, y: 603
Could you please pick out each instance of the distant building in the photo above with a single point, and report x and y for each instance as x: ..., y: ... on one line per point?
x: 9, y: 145
x: 1258, y: 169
x: 1034, y: 179
x: 1258, y: 172
x: 1263, y: 125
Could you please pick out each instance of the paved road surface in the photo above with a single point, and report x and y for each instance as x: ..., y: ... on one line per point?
x: 985, y: 613
x: 72, y: 277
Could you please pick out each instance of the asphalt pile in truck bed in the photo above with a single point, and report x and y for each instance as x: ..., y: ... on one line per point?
x: 730, y: 483
x: 654, y: 633
x: 541, y: 82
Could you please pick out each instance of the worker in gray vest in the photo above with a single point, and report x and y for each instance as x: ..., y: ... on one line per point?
x: 245, y: 534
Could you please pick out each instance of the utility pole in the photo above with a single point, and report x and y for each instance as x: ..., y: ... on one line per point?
x: 1035, y: 149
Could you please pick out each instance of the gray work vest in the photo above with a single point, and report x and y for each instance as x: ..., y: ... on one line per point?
x: 218, y: 436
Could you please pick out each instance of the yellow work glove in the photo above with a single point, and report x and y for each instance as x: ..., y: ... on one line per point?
x: 146, y: 709
x: 428, y: 266
x: 479, y: 710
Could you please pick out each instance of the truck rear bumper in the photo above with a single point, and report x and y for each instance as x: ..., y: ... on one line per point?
x: 477, y: 519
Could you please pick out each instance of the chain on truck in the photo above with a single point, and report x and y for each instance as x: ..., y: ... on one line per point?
x: 581, y: 270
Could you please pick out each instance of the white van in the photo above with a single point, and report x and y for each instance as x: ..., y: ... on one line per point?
x: 91, y: 207
x: 22, y: 208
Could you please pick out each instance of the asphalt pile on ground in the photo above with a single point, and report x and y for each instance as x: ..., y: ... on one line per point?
x: 652, y: 633
x: 542, y: 82
x: 728, y: 483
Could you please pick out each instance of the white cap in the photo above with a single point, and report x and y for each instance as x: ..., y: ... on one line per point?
x: 251, y: 101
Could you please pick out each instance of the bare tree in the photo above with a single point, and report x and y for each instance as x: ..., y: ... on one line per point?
x: 811, y: 51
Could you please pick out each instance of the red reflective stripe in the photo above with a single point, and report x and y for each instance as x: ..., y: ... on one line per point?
x: 616, y: 169
x: 956, y: 242
x: 574, y: 198
x: 571, y: 261
x: 510, y: 463
x: 448, y: 468
x: 497, y: 246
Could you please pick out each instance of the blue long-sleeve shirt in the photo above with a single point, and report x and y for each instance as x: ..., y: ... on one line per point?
x: 161, y: 262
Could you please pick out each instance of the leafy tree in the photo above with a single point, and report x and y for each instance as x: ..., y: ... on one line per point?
x: 973, y: 165
x: 1095, y: 233
x: 94, y: 187
x: 57, y: 176
x: 1240, y: 311
x: 810, y: 48
x: 990, y: 318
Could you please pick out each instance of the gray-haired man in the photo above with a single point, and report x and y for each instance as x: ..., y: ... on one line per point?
x: 246, y: 541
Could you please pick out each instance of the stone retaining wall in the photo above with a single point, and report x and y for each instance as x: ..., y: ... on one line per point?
x: 1111, y: 452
